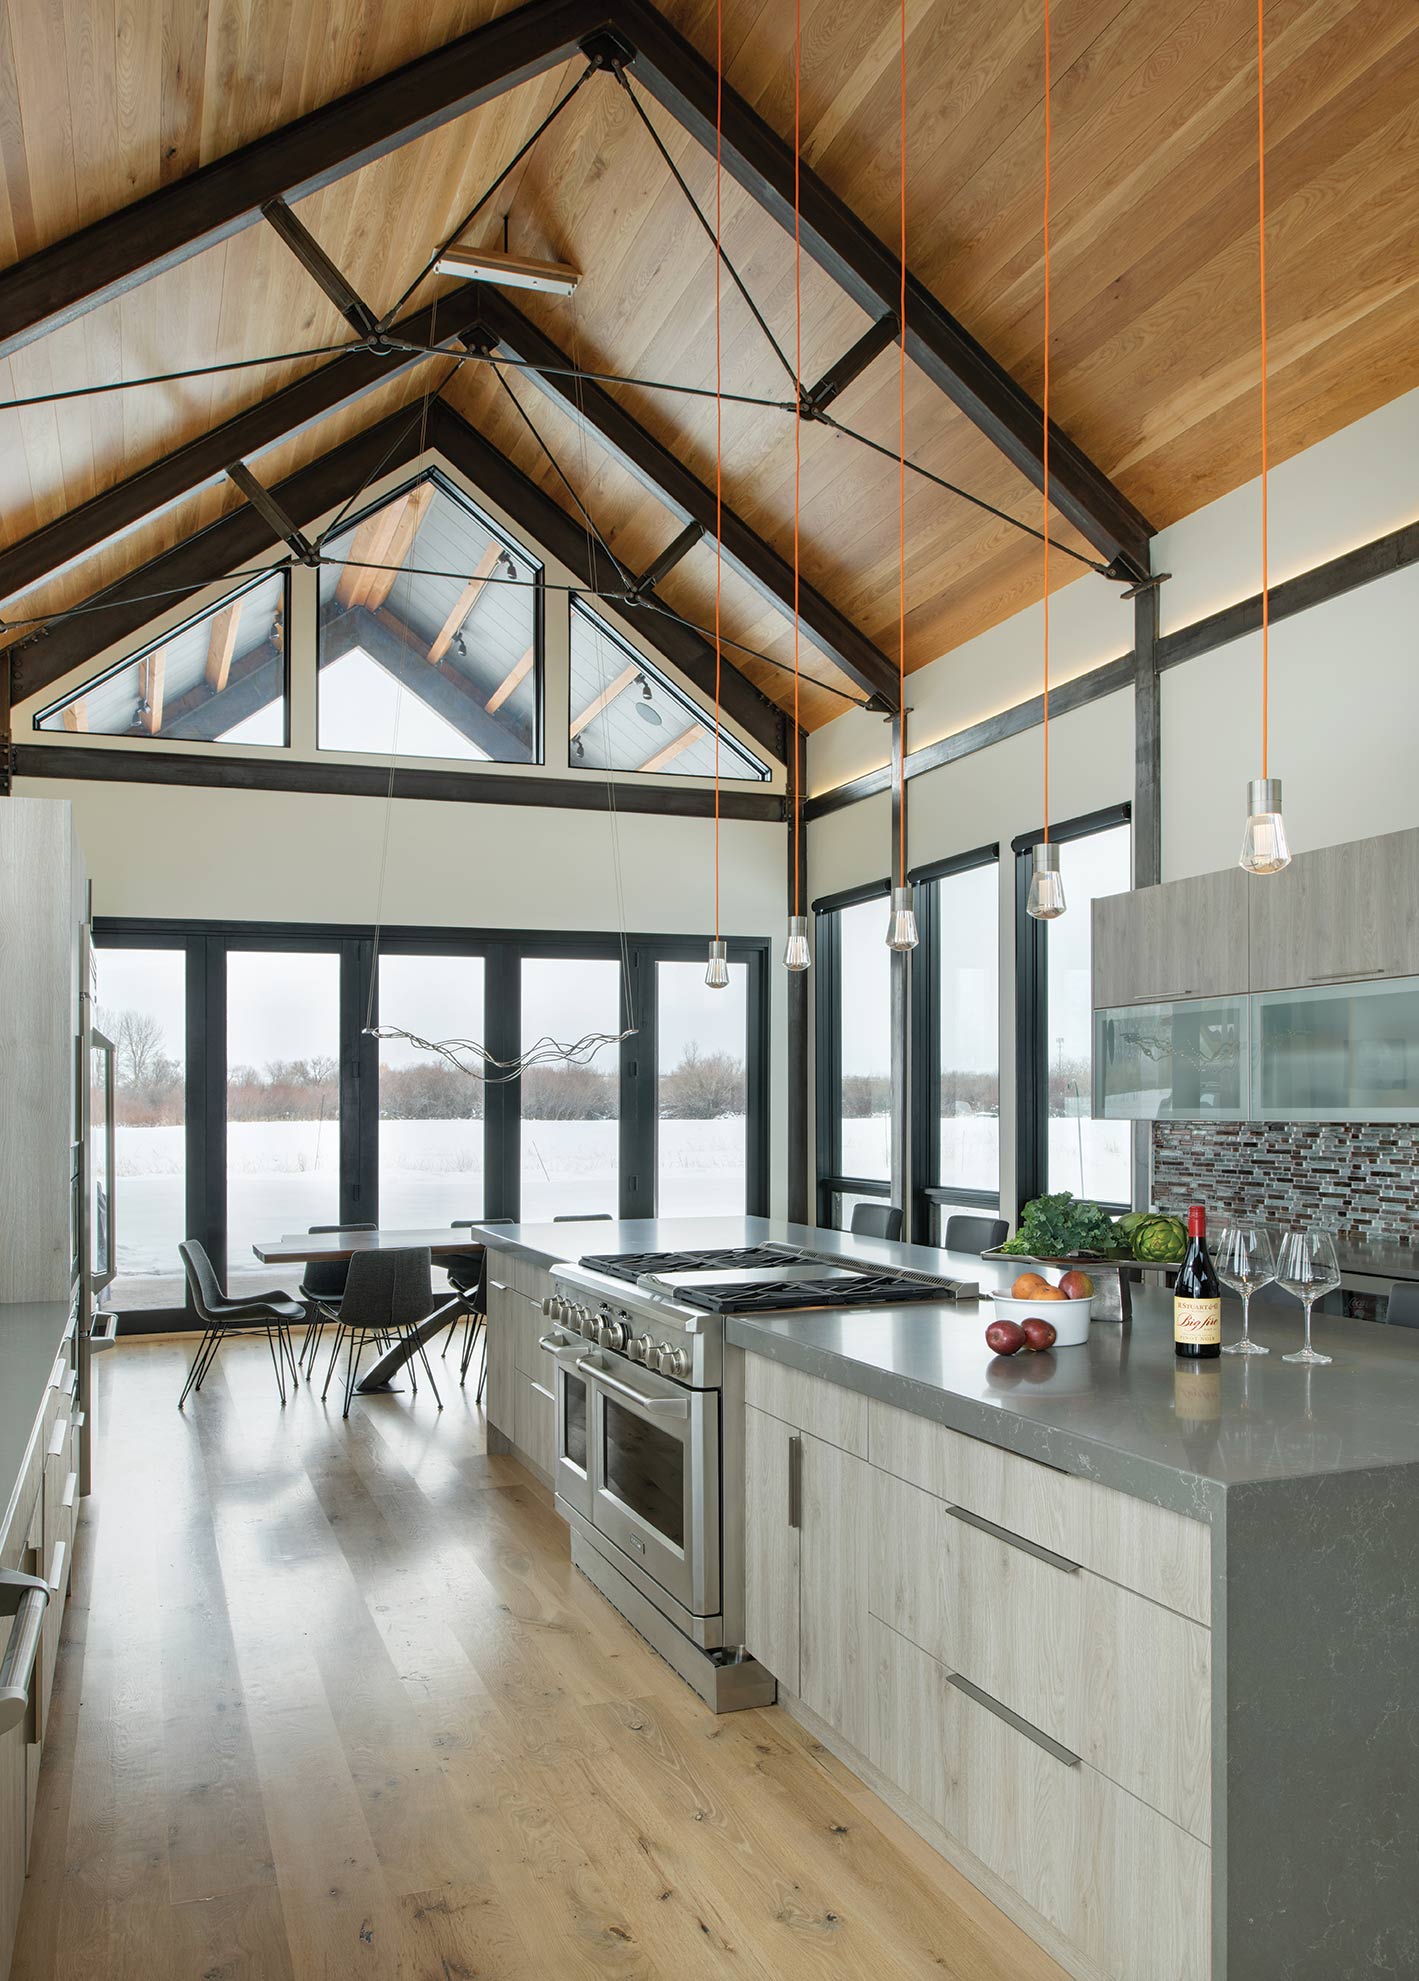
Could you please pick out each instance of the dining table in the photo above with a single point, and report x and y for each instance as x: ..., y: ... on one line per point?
x: 301, y: 1248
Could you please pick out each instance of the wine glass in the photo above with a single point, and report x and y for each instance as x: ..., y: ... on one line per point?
x: 1307, y: 1267
x: 1246, y: 1261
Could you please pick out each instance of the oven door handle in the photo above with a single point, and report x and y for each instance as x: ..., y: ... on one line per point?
x: 663, y: 1406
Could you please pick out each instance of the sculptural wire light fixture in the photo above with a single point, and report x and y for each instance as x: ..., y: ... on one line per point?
x: 1264, y: 847
x: 1045, y: 900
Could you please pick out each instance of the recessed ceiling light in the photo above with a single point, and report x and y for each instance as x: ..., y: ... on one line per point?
x: 508, y: 271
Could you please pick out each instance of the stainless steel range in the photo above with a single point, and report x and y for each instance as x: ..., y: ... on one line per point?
x: 649, y: 1465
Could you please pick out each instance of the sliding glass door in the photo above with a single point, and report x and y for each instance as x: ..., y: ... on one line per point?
x: 430, y: 1113
x: 571, y: 1110
x: 702, y: 1094
x: 142, y: 1007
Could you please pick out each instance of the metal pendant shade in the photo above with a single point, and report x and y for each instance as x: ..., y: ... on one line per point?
x: 1264, y: 847
x: 901, y: 923
x: 1046, y: 897
x: 796, y: 954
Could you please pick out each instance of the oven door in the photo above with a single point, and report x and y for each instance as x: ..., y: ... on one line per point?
x: 655, y: 1476
x: 571, y: 1472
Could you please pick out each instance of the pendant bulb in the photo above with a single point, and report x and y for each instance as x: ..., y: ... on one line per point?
x: 1046, y: 897
x: 795, y: 951
x: 901, y: 924
x: 717, y: 973
x: 1264, y: 847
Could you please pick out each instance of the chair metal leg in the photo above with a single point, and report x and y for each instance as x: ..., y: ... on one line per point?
x: 197, y: 1362
x: 352, y: 1367
x: 449, y: 1336
x: 277, y: 1362
x: 209, y: 1356
x: 340, y: 1333
x: 283, y: 1334
x: 470, y: 1342
x: 483, y: 1372
x: 423, y: 1357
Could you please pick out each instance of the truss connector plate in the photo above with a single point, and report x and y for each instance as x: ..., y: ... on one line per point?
x: 1150, y: 584
x: 608, y: 50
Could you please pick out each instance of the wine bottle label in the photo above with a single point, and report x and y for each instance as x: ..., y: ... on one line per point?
x: 1197, y: 1320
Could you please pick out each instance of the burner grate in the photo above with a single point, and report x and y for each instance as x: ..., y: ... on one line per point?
x: 632, y: 1265
x: 774, y: 1296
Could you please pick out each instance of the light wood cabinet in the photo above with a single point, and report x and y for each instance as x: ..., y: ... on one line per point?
x: 835, y: 1546
x: 772, y: 1457
x: 837, y: 1416
x: 1339, y: 914
x: 1184, y: 939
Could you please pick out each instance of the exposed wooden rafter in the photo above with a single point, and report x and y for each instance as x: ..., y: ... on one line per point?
x: 465, y: 602
x: 512, y: 680
x: 668, y: 752
x: 379, y: 546
x: 616, y: 686
x: 221, y: 644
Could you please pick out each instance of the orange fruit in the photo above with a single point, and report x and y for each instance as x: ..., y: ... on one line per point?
x: 1026, y: 1286
x: 1047, y: 1293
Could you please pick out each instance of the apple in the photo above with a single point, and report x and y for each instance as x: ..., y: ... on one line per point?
x: 1077, y: 1286
x: 1007, y: 1337
x: 1039, y: 1334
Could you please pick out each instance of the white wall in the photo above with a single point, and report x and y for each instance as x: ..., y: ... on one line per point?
x: 1344, y: 698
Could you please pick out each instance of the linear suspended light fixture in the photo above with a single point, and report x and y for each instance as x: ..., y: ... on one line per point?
x: 1045, y: 900
x: 508, y: 271
x: 1264, y: 847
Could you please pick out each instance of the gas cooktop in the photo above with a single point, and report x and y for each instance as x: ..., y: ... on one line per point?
x: 772, y: 1278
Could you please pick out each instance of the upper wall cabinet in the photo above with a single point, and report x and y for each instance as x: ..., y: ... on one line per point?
x: 1338, y: 915
x: 1187, y: 938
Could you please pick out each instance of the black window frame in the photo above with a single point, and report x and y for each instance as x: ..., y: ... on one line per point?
x: 107, y: 737
x: 832, y: 1182
x: 1032, y: 1004
x: 515, y: 547
x: 577, y: 605
x: 206, y: 945
x: 928, y: 1189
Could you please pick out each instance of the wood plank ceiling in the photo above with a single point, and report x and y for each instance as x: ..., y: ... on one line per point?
x: 1155, y: 371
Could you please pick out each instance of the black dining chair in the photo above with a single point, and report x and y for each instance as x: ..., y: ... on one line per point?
x: 468, y: 1277
x: 876, y: 1221
x: 1402, y: 1308
x: 272, y: 1313
x: 388, y: 1296
x: 975, y: 1234
x: 322, y: 1285
x: 582, y: 1217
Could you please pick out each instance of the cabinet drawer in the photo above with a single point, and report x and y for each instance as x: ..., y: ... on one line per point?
x: 1117, y: 1679
x: 837, y: 1416
x: 529, y: 1276
x: 534, y: 1429
x: 1121, y: 1883
x: 1150, y: 1549
x: 1332, y: 915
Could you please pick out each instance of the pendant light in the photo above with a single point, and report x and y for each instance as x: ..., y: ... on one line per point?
x: 1045, y: 900
x: 796, y: 954
x: 1264, y: 848
x: 901, y: 922
x: 717, y: 970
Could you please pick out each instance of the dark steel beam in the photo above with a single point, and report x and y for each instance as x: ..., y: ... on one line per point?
x: 137, y: 764
x: 320, y: 268
x: 547, y: 523
x: 73, y: 535
x: 1147, y: 742
x: 877, y: 338
x: 661, y: 470
x: 685, y: 84
x: 157, y: 232
x: 679, y: 548
x: 201, y: 561
x: 271, y: 512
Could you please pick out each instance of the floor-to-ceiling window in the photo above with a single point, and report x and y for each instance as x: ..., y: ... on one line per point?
x: 956, y: 1052
x: 142, y: 1008
x: 854, y: 1030
x: 254, y: 1098
x: 1060, y: 1146
x: 702, y: 1091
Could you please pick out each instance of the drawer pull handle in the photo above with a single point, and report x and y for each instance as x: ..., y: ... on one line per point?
x: 56, y: 1568
x: 1357, y: 973
x: 1013, y: 1540
x: 499, y: 1286
x: 25, y: 1598
x: 81, y: 1418
x: 542, y: 1390
x: 71, y: 1490
x: 991, y: 1705
x: 795, y: 1482
x: 58, y: 1437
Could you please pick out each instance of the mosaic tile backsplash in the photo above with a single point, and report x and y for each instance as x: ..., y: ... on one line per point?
x: 1359, y: 1178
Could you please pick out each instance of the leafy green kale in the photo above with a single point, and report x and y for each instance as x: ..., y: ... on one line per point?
x: 1061, y: 1226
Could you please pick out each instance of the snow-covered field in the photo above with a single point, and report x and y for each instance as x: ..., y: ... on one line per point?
x: 284, y: 1176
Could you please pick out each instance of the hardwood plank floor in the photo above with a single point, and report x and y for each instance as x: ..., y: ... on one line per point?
x: 332, y: 1701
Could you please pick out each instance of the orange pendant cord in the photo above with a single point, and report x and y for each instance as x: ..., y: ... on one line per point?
x: 1261, y: 257
x: 1045, y: 458
x: 902, y: 491
x: 718, y: 420
x: 798, y: 415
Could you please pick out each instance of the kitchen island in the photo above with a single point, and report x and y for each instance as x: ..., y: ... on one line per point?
x: 1132, y: 1644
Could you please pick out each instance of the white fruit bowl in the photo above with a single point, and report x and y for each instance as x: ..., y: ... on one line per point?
x: 1068, y: 1318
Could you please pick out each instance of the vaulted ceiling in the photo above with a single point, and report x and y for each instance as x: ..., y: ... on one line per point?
x: 1154, y: 301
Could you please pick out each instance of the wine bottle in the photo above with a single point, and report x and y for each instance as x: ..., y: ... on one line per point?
x: 1197, y: 1295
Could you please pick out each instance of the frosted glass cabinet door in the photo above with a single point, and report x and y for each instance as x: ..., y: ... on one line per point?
x: 1337, y: 1053
x: 1172, y: 1062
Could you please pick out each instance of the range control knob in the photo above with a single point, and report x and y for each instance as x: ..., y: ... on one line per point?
x: 642, y: 1349
x: 587, y: 1322
x: 550, y: 1307
x: 673, y: 1361
x: 611, y: 1334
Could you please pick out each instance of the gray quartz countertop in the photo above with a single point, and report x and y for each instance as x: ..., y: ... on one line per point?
x: 1121, y: 1410
x: 31, y: 1332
